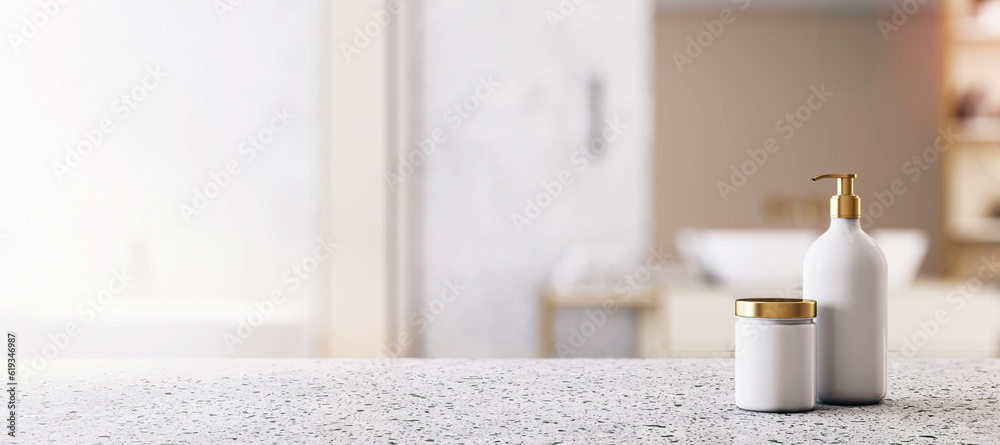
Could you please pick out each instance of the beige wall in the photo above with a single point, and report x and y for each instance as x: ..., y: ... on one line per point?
x: 885, y: 109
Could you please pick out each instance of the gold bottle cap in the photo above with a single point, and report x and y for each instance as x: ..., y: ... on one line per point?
x: 775, y: 308
x: 845, y: 204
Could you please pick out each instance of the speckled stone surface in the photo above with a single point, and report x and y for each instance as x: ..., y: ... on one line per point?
x: 482, y: 401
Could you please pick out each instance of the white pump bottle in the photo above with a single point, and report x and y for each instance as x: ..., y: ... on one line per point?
x: 845, y: 272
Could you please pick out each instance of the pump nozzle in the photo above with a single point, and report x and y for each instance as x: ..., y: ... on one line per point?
x: 845, y: 204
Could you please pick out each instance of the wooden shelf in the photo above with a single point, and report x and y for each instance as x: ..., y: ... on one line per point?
x: 968, y: 30
x: 981, y: 130
x: 980, y: 231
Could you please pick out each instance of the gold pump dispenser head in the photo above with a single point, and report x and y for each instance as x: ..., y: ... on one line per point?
x: 845, y: 204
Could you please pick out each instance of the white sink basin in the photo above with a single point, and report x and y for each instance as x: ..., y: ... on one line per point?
x: 772, y: 259
x: 746, y: 258
x: 904, y: 251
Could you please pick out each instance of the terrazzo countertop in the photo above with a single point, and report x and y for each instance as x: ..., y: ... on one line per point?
x: 481, y: 401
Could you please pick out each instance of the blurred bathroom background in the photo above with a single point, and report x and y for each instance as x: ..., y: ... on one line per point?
x: 439, y: 178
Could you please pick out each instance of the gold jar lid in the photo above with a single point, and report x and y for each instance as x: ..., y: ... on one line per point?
x: 775, y: 308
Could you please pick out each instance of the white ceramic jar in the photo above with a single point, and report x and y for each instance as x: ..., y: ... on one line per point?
x: 775, y: 354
